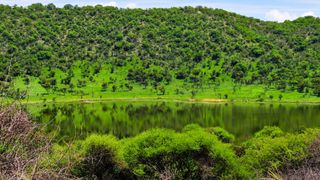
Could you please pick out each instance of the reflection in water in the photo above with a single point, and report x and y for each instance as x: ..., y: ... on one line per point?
x: 124, y: 119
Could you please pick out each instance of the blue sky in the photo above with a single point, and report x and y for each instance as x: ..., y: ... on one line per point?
x: 274, y: 10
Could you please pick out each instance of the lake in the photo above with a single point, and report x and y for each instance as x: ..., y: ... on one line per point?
x: 124, y: 119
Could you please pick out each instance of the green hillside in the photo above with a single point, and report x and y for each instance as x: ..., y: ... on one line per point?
x: 106, y: 52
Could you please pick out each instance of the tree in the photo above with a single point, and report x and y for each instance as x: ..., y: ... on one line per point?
x: 104, y: 86
x: 193, y: 94
x: 114, y: 88
x: 161, y: 89
x: 271, y: 97
x: 280, y: 97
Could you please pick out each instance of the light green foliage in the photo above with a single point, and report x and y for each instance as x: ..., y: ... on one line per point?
x: 193, y: 153
x: 157, y: 151
x: 272, y: 149
x: 271, y: 132
x: 152, y: 154
x: 97, y: 155
x: 222, y: 134
x: 101, y: 157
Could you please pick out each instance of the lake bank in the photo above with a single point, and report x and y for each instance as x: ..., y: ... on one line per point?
x: 75, y: 99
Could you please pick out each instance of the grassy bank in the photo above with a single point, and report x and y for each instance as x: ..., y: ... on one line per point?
x: 224, y: 93
x: 177, y: 90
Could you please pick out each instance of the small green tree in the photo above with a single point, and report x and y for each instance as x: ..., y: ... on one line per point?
x: 104, y: 86
x: 280, y: 97
x: 193, y: 94
x: 161, y: 89
x: 114, y: 88
x: 271, y: 97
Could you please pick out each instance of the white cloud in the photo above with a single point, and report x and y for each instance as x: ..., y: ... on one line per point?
x: 309, y: 13
x: 280, y: 16
x: 131, y: 5
x: 112, y: 3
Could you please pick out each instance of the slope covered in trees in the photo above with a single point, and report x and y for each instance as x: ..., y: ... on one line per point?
x: 65, y: 49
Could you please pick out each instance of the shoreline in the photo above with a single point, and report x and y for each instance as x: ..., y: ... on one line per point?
x: 164, y: 99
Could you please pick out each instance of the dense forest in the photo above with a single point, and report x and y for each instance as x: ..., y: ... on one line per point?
x: 153, y: 47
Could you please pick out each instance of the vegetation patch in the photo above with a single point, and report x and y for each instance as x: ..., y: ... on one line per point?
x: 189, y: 52
x: 195, y: 152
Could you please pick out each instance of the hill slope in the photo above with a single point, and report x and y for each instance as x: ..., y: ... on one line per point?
x: 79, y: 50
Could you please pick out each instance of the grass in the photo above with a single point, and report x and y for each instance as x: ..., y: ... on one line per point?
x: 175, y: 90
x: 92, y: 92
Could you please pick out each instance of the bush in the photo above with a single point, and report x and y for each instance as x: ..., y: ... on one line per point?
x: 193, y: 154
x: 222, y: 134
x: 101, y: 158
x: 271, y: 132
x: 272, y: 149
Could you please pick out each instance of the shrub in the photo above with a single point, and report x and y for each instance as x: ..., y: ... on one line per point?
x: 101, y: 158
x: 271, y: 149
x: 222, y: 134
x: 192, y: 154
x: 268, y: 131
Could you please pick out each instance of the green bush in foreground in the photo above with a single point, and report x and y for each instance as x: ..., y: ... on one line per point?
x: 98, y: 156
x: 271, y: 149
x: 193, y: 153
x: 102, y: 158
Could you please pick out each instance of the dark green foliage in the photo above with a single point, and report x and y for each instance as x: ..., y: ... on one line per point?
x: 280, y: 97
x: 199, y: 45
x: 114, y: 88
x: 104, y: 86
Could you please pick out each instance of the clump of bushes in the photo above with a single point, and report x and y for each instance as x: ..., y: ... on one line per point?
x: 158, y: 153
x: 193, y: 153
x: 271, y: 149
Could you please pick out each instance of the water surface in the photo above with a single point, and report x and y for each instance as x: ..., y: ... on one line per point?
x: 125, y: 119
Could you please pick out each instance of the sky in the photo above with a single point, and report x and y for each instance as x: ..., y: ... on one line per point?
x: 271, y: 10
